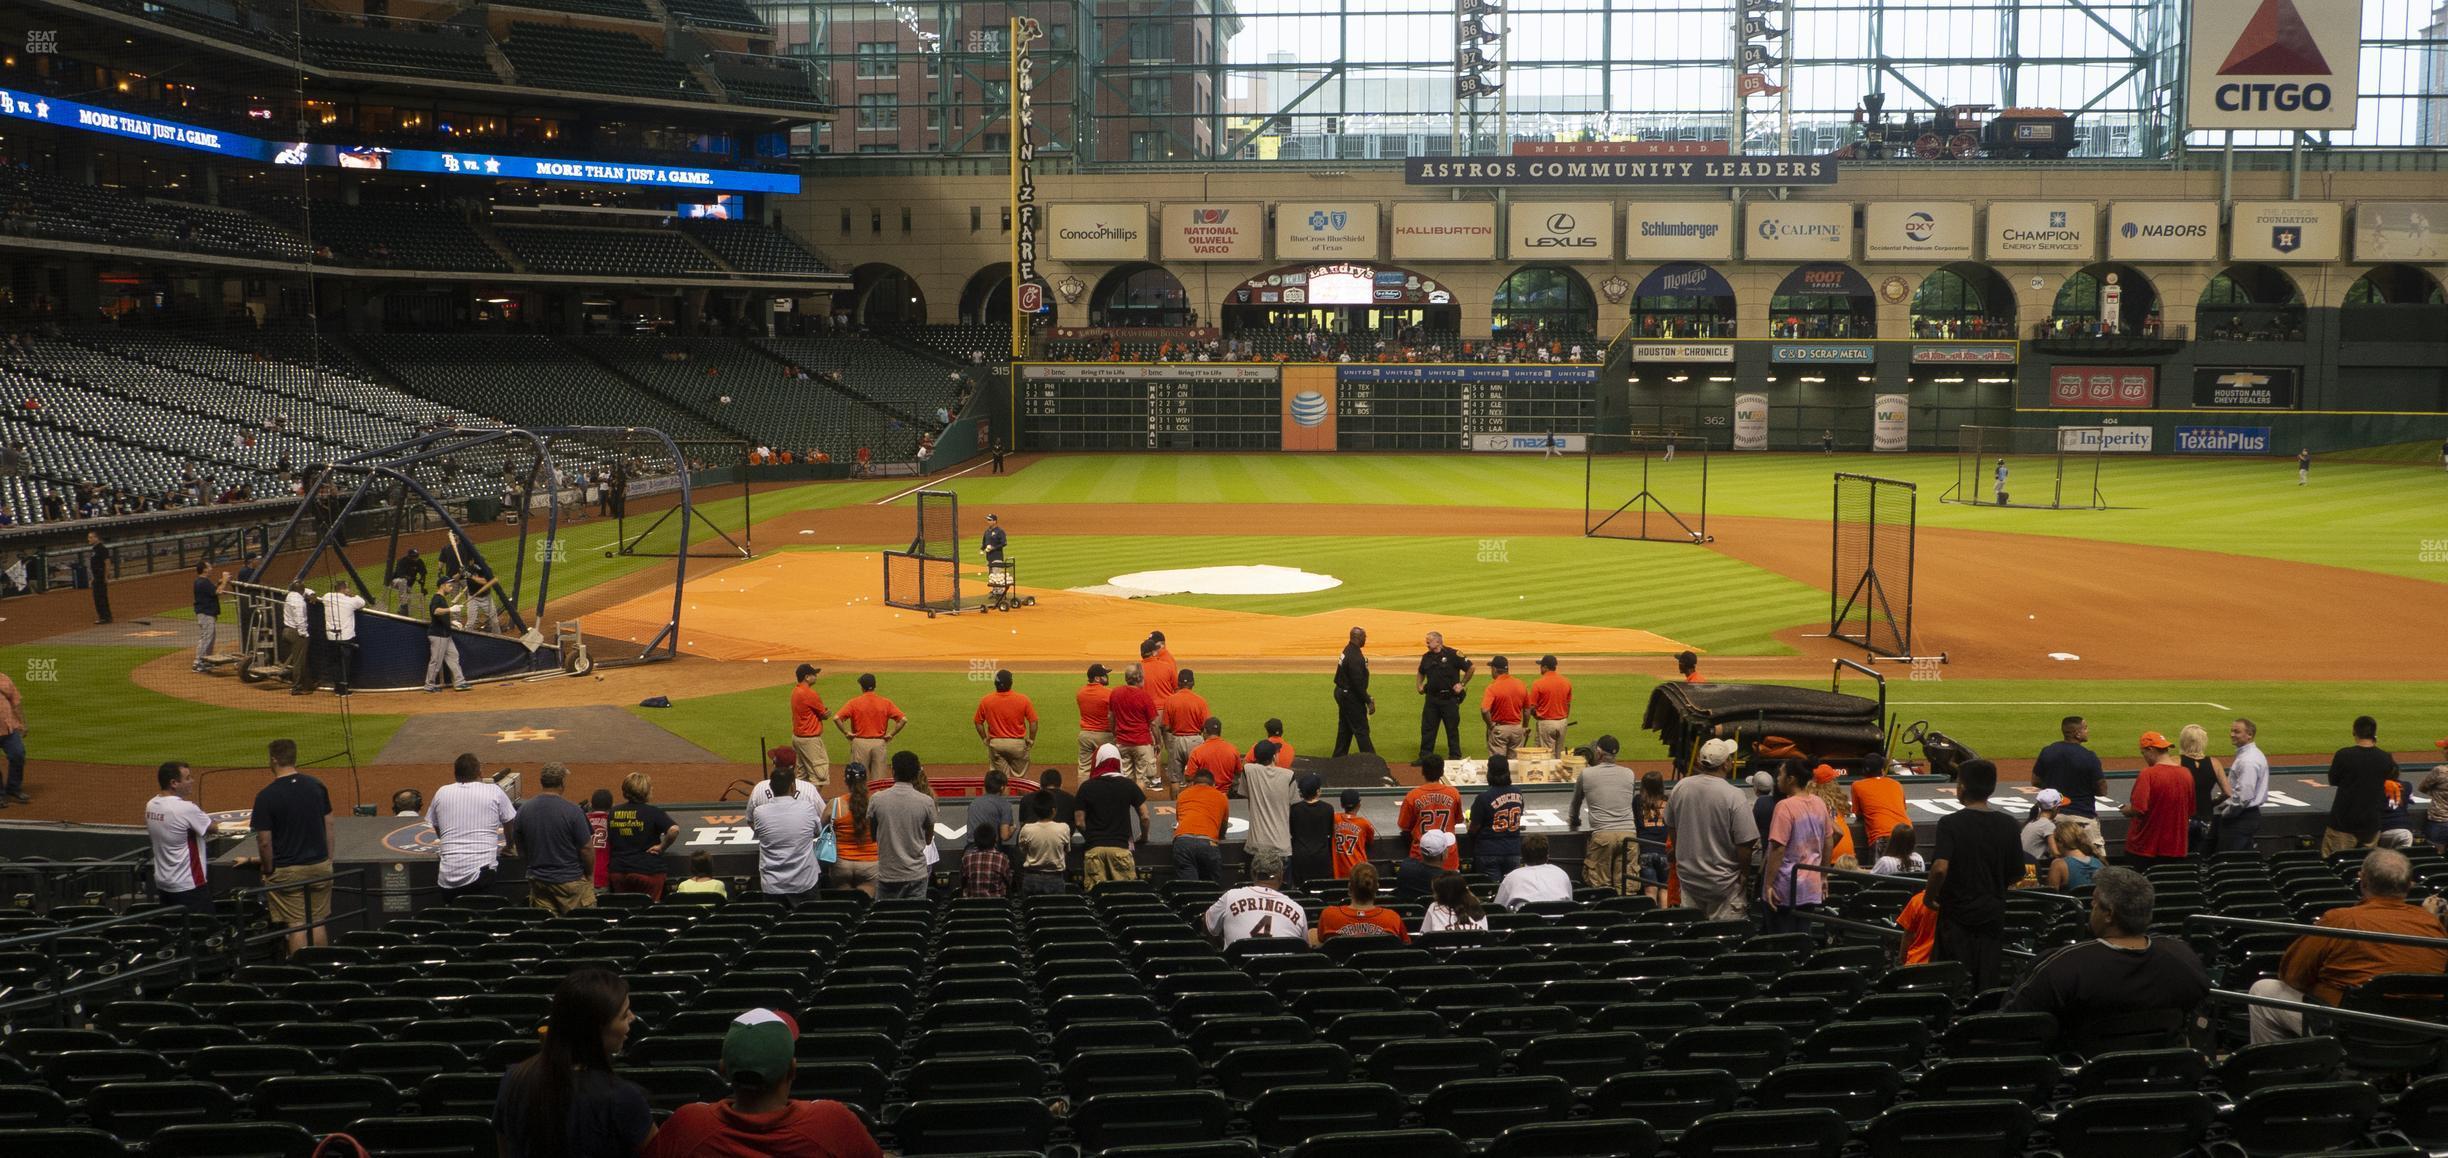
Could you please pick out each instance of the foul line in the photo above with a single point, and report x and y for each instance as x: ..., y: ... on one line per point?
x: 924, y: 485
x: 2048, y: 703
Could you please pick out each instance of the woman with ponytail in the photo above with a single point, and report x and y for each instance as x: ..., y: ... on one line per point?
x: 565, y: 1102
x: 854, y: 843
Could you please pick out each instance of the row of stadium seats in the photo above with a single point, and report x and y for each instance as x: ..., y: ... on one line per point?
x: 766, y: 404
x: 608, y: 252
x: 597, y: 60
x: 50, y: 206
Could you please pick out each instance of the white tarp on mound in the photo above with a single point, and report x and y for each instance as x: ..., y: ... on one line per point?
x: 1261, y: 579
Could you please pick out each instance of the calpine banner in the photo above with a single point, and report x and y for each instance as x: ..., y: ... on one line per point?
x: 1758, y: 172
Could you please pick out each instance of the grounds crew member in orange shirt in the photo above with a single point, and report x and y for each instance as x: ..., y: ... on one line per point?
x: 1156, y: 660
x: 1550, y: 705
x: 1183, y: 717
x: 1502, y: 707
x: 1283, y: 748
x: 1199, y: 815
x: 1688, y: 664
x: 1433, y: 806
x: 1134, y: 722
x: 1096, y: 718
x: 808, y: 716
x: 1216, y: 755
x: 871, y: 721
x: 1007, y: 722
x: 1353, y: 834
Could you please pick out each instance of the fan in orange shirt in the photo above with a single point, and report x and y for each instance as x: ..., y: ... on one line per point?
x: 1550, y: 705
x: 1920, y: 927
x: 1688, y: 663
x: 1183, y: 717
x: 1878, y: 800
x: 1215, y: 755
x: 1502, y: 707
x: 1353, y: 834
x: 1283, y: 747
x: 1433, y: 806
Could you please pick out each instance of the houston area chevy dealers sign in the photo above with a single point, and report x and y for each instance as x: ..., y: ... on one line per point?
x: 2273, y: 64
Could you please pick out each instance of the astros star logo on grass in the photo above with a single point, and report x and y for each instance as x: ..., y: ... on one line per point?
x: 518, y: 735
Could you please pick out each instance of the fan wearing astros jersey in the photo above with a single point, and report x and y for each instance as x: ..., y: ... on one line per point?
x: 1259, y: 908
x: 1353, y: 834
x: 1431, y: 807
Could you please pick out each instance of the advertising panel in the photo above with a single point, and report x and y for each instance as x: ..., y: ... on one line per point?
x: 1309, y: 229
x: 2287, y: 231
x: 1560, y: 231
x: 1679, y: 231
x: 1890, y: 425
x: 2273, y: 64
x: 1528, y: 443
x: 2246, y: 388
x: 1750, y: 172
x: 1444, y: 231
x: 1798, y: 230
x: 2223, y: 440
x: 2163, y: 230
x: 1917, y: 231
x: 2128, y: 387
x: 1965, y: 354
x: 1309, y: 408
x: 1451, y: 372
x: 2105, y: 439
x: 1822, y: 353
x: 2043, y: 231
x: 1213, y: 231
x: 1109, y: 231
x: 1683, y: 352
x: 1750, y: 422
x: 2401, y: 231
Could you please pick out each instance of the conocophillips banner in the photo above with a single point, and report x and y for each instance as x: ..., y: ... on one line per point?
x: 1097, y: 232
x: 1315, y: 229
x: 2273, y: 64
x: 2287, y: 231
x: 1750, y: 422
x: 1679, y: 231
x: 2163, y: 230
x: 2401, y: 231
x: 1213, y: 231
x: 1444, y: 231
x: 1917, y: 231
x: 1560, y: 231
x: 1798, y: 230
x: 1890, y: 422
x: 2043, y: 231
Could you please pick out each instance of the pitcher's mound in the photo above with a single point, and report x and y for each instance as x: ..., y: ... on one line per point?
x: 1256, y: 579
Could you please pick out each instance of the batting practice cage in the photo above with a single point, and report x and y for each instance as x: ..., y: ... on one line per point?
x: 1870, y: 593
x: 927, y: 576
x: 2047, y: 467
x: 717, y: 521
x: 1645, y: 485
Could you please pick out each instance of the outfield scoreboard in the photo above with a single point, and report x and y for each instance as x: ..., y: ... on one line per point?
x: 1458, y: 407
x: 1208, y: 406
x: 1151, y: 407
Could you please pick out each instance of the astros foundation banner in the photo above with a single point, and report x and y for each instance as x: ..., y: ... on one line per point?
x: 2273, y: 64
x: 1309, y: 408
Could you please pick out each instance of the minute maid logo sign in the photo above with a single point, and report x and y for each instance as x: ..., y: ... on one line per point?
x: 2274, y: 64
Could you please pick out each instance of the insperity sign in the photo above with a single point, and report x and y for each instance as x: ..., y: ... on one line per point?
x: 2273, y: 64
x: 1619, y: 172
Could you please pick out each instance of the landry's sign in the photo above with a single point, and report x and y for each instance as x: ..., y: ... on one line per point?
x: 1761, y: 172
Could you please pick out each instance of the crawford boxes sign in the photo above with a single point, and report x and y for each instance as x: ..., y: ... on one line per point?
x: 1213, y: 231
x: 2243, y: 388
x: 1763, y: 172
x: 2090, y: 387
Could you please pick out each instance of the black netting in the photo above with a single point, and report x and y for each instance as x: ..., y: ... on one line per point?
x: 1650, y: 486
x: 1871, y: 596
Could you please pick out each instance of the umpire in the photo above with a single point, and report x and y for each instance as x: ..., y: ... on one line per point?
x: 1353, y: 704
x: 1443, y: 674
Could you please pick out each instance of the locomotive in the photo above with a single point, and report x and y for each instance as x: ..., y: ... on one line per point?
x: 1959, y: 132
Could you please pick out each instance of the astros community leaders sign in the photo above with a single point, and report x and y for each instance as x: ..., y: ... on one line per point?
x: 1753, y: 172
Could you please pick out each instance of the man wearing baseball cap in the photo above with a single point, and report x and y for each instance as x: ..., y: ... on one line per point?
x: 2160, y: 810
x: 1096, y: 719
x: 1415, y: 878
x: 759, y: 1119
x: 808, y: 716
x: 1709, y: 822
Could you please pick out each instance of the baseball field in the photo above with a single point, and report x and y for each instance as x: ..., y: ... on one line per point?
x: 2211, y: 588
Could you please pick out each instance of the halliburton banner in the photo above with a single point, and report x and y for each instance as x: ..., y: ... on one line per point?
x: 2088, y: 387
x: 1750, y: 422
x: 1890, y: 423
x: 1213, y: 231
x: 1445, y: 231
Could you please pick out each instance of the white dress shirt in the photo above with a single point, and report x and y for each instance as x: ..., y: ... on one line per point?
x: 1532, y: 883
x: 2249, y: 774
x: 468, y: 817
x: 340, y: 616
x: 293, y: 611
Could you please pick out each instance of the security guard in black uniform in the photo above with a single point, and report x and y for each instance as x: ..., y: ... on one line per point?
x: 992, y: 545
x: 1443, y: 674
x: 1353, y: 704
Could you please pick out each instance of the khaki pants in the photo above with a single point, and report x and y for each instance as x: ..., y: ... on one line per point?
x: 1505, y: 739
x: 1177, y: 755
x: 815, y: 766
x: 1139, y: 760
x: 1611, y: 860
x: 1009, y: 754
x: 2333, y: 841
x: 1108, y: 864
x: 562, y: 898
x: 868, y: 752
x: 2275, y: 1024
x: 1089, y: 743
x: 1551, y: 736
x: 1730, y: 907
x: 293, y: 908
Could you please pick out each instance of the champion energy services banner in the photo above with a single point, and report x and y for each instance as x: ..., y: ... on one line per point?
x: 1326, y: 229
x: 1445, y: 231
x: 1917, y: 231
x: 1213, y: 231
x: 1679, y: 231
x: 2401, y: 231
x: 1750, y: 422
x: 1798, y: 230
x: 2043, y: 231
x: 2287, y: 231
x: 1890, y: 423
x: 2143, y: 231
x: 1097, y: 232
x: 2273, y: 64
x: 1560, y: 231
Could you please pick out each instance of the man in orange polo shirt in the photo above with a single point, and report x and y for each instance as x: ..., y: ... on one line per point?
x: 1183, y: 718
x: 1215, y: 754
x: 808, y: 716
x: 1432, y: 807
x: 1502, y: 707
x: 1007, y: 722
x: 1134, y: 724
x: 1096, y: 717
x: 871, y: 722
x: 1550, y: 705
x: 1156, y: 660
x: 2321, y: 969
x: 1199, y: 813
x: 1687, y: 664
x: 1283, y: 753
x: 1879, y: 801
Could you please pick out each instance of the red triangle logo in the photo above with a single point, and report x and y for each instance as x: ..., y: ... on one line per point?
x: 2276, y: 43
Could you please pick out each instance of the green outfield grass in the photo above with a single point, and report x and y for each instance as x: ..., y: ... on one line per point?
x: 90, y: 710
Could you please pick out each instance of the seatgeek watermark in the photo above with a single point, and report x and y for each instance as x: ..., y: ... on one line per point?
x: 1495, y: 551
x: 2433, y: 551
x: 1926, y: 669
x: 42, y: 42
x: 552, y: 549
x: 42, y: 671
x: 982, y: 671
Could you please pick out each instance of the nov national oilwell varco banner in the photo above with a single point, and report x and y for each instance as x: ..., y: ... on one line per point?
x: 1679, y: 231
x: 1890, y: 423
x: 2401, y: 231
x: 1213, y: 231
x: 1765, y: 172
x: 1445, y: 231
x: 1917, y: 231
x: 1315, y: 229
x: 1560, y: 231
x: 2043, y: 231
x: 1097, y: 232
x: 2286, y: 231
x: 2273, y: 64
x: 2163, y: 231
x: 1798, y: 230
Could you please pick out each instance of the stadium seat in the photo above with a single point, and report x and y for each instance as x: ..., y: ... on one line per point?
x: 1583, y: 1059
x: 2379, y: 1051
x: 1764, y: 1134
x: 1372, y: 1144
x: 1584, y: 1138
x: 1669, y: 1100
x: 135, y: 1110
x: 1245, y: 1072
x: 1995, y: 1128
x: 2132, y: 1125
x: 1857, y: 1091
x: 2140, y: 1071
x: 25, y: 1107
x: 75, y: 1071
x: 2274, y: 1063
x: 425, y: 1137
x: 1748, y: 1052
x: 955, y: 1126
x: 2300, y: 1119
x: 2027, y: 1079
x: 1089, y: 1073
x: 325, y: 1102
x: 1418, y: 1065
x: 405, y: 1064
x: 1477, y: 1109
x: 459, y: 1094
x: 1288, y: 1115
x: 63, y: 1142
x: 1149, y: 1119
x: 233, y: 1140
x: 240, y: 1068
x: 1999, y: 1035
x: 978, y: 1077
